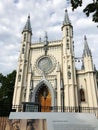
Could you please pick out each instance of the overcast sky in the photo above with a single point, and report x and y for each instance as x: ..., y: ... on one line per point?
x: 45, y: 15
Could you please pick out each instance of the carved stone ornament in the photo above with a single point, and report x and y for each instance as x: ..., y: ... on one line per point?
x: 45, y: 64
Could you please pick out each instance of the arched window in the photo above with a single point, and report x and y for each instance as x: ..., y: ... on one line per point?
x: 82, y: 95
x: 69, y: 75
x: 24, y: 37
x: 67, y: 32
x: 22, y: 50
x: 67, y: 45
x: 20, y: 70
x: 68, y: 66
x: 19, y: 78
x: 67, y: 40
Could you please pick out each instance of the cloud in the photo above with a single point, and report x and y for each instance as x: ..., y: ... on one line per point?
x: 45, y: 15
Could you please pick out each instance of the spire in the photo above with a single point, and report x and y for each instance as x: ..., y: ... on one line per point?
x: 46, y: 39
x: 40, y: 39
x: 27, y: 26
x: 66, y: 18
x: 86, y: 50
x: 46, y: 43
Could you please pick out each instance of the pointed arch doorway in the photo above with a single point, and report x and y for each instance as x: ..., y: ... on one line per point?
x: 43, y: 97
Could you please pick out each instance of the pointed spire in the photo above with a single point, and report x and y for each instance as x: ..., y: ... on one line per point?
x: 66, y: 18
x: 40, y: 40
x: 86, y: 50
x: 46, y: 43
x: 27, y: 26
x: 46, y: 39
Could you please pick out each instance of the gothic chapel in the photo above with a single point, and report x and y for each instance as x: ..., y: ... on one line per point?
x: 46, y: 72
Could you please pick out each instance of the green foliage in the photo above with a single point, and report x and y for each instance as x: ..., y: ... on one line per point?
x: 76, y: 3
x: 6, y: 92
x: 91, y: 8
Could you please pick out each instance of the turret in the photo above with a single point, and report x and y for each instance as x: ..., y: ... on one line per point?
x: 87, y: 57
x: 86, y: 51
x: 26, y: 38
x: 27, y: 27
x: 22, y: 70
x: 69, y: 73
x: 27, y: 31
x: 90, y: 76
x: 46, y: 43
x: 67, y: 30
x: 66, y: 19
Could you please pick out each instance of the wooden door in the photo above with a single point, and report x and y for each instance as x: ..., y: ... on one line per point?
x: 44, y: 98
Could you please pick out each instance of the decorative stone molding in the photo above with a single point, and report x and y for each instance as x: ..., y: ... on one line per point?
x: 45, y: 64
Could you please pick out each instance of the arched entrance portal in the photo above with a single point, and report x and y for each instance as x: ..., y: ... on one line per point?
x: 43, y: 96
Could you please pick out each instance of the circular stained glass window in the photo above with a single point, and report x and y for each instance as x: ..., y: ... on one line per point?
x: 45, y: 64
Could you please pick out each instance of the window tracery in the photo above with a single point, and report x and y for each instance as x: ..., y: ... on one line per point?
x: 82, y: 95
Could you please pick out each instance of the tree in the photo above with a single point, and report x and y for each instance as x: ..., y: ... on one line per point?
x: 6, y: 92
x: 91, y: 8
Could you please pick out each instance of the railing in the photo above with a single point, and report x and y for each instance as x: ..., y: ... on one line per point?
x: 56, y: 109
x: 37, y: 108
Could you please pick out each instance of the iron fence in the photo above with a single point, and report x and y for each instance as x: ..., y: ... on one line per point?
x: 5, y: 110
x: 55, y: 109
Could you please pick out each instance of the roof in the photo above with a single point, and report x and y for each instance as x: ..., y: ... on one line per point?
x: 27, y: 26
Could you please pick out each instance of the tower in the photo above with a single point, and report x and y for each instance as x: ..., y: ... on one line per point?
x: 90, y: 77
x: 23, y: 66
x: 69, y: 73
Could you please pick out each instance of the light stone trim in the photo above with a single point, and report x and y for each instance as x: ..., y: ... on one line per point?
x: 49, y: 86
x: 52, y: 58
